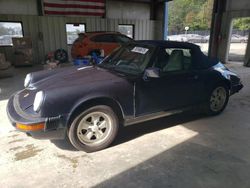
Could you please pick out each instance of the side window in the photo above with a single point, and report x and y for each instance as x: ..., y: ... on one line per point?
x: 174, y: 59
x: 103, y: 38
x: 162, y: 59
x: 108, y: 38
x: 97, y: 38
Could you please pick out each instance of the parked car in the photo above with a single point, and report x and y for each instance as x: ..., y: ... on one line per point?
x: 138, y: 82
x: 207, y: 38
x: 245, y: 38
x: 195, y: 38
x: 238, y: 38
x: 90, y: 42
x: 180, y: 38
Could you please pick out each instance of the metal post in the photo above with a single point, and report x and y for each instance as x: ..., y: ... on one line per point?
x: 165, y: 27
x: 215, y: 30
x: 247, y: 54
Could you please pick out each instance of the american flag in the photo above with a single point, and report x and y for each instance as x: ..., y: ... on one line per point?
x: 74, y: 7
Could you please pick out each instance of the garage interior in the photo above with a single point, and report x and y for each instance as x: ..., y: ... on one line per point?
x: 185, y: 150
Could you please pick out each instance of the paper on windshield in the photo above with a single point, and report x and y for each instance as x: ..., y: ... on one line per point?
x: 140, y: 50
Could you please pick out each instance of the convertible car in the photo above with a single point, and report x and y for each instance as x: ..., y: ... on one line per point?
x: 138, y: 82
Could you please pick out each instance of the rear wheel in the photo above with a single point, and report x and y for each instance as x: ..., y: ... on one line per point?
x: 94, y: 129
x: 217, y: 100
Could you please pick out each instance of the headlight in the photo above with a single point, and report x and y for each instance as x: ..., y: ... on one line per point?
x: 27, y: 80
x: 38, y: 101
x: 223, y: 70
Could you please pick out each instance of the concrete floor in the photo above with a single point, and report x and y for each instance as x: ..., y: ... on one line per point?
x: 186, y: 150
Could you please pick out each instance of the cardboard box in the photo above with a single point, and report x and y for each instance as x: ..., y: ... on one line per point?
x: 24, y: 42
x: 22, y: 60
x: 22, y: 51
x: 23, y: 57
x: 26, y: 52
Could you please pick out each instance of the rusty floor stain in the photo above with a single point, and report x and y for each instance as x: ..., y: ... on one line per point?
x: 16, y: 148
x: 13, y: 136
x: 14, y: 141
x: 30, y: 151
x: 73, y: 160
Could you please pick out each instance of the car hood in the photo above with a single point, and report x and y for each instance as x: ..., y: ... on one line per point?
x: 75, y: 76
x: 86, y: 79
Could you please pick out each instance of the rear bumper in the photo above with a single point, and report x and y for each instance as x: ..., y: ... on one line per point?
x: 54, y: 127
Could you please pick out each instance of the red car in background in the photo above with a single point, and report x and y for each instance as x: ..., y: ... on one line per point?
x: 90, y: 42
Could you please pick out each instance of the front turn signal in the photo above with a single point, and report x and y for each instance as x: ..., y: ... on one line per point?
x: 32, y: 127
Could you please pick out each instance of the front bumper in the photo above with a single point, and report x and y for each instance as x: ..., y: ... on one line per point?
x: 54, y: 127
x: 236, y: 88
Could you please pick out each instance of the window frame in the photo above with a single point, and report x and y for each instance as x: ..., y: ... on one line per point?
x: 85, y: 28
x: 7, y: 21
x: 133, y: 29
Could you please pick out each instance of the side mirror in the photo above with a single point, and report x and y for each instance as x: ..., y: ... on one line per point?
x: 151, y: 72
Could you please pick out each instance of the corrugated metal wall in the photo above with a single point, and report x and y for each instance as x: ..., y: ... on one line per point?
x: 30, y: 28
x: 49, y: 33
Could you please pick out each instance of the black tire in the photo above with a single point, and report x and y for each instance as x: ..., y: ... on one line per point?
x: 61, y: 55
x: 210, y: 106
x: 77, y: 136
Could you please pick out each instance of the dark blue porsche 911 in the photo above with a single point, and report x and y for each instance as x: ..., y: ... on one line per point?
x: 138, y: 82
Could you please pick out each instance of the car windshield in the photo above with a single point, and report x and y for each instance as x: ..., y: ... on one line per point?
x: 129, y: 59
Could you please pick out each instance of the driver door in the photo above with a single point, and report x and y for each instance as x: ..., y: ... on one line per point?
x: 178, y: 85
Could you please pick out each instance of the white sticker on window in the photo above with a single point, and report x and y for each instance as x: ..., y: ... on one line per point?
x: 140, y: 50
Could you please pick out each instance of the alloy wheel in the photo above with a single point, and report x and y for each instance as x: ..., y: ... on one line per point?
x: 218, y: 99
x: 94, y: 128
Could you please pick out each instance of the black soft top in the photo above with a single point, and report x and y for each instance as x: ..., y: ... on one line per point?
x: 201, y: 61
x: 170, y: 44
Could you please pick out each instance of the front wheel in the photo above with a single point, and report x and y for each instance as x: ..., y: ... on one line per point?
x: 217, y: 100
x: 94, y: 129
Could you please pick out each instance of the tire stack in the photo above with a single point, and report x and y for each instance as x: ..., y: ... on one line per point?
x: 6, y: 70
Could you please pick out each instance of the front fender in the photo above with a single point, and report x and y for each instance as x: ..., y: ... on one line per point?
x: 65, y: 100
x: 97, y: 100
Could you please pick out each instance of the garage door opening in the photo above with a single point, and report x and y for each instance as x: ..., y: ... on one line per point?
x: 190, y: 21
x: 238, y: 39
